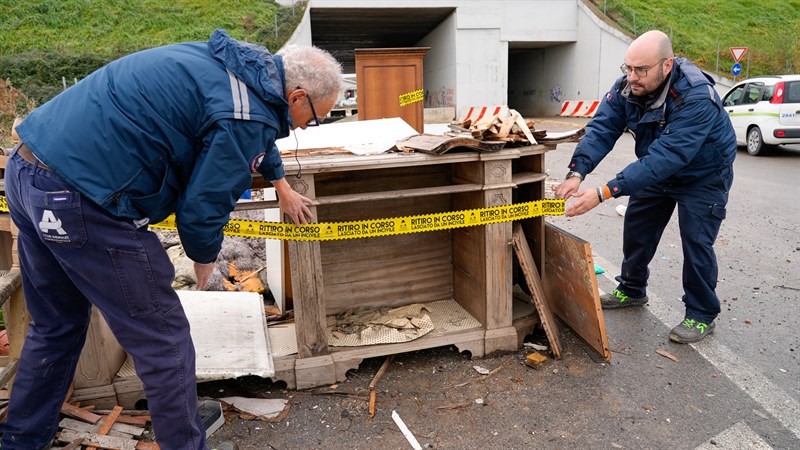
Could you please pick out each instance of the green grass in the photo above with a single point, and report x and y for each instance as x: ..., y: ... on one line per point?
x: 769, y: 28
x: 115, y: 27
x: 43, y: 42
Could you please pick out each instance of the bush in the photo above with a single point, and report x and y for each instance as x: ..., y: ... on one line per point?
x: 39, y: 74
x: 13, y: 103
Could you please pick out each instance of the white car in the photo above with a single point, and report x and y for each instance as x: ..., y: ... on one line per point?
x: 765, y: 111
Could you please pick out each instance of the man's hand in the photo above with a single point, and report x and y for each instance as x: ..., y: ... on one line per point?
x: 293, y: 204
x: 567, y: 188
x: 586, y: 200
x: 202, y: 272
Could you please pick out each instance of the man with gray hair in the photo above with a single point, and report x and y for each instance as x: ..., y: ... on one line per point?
x: 685, y: 147
x: 175, y: 129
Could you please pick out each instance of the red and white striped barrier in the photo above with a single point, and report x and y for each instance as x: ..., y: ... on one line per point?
x: 579, y: 108
x: 484, y: 114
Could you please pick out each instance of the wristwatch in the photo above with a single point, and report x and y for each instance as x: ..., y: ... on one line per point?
x: 572, y: 173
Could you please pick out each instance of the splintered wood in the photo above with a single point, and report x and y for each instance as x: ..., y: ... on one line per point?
x: 504, y: 125
x: 373, y: 393
x: 536, y: 287
x: 118, y: 429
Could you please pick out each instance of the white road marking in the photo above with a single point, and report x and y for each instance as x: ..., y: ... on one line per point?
x: 739, y: 436
x: 763, y: 391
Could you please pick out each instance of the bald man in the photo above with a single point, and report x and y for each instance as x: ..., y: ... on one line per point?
x: 685, y: 147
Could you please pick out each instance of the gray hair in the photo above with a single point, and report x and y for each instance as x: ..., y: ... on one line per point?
x: 313, y: 69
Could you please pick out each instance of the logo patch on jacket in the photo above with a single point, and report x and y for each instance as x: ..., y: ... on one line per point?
x: 256, y: 162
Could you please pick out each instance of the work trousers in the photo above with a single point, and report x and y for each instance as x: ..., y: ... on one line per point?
x: 701, y: 209
x: 73, y: 255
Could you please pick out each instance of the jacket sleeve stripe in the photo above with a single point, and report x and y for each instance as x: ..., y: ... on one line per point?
x: 241, y: 100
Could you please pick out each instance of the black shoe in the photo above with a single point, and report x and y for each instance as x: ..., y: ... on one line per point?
x: 211, y: 415
x: 618, y: 299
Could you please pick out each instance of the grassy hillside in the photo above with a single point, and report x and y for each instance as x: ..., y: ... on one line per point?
x: 114, y: 27
x: 769, y: 28
x: 45, y: 44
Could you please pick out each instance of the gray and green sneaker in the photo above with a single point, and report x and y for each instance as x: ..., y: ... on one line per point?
x: 690, y: 331
x: 618, y: 299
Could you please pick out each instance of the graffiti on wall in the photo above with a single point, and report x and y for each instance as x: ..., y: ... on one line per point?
x: 440, y: 98
x: 556, y: 94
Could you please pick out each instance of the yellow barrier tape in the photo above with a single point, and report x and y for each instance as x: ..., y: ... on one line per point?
x: 412, y: 97
x: 378, y: 227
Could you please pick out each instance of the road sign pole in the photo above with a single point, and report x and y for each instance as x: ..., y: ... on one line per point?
x: 747, y: 72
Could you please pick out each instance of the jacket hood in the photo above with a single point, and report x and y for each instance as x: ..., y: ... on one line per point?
x: 252, y: 64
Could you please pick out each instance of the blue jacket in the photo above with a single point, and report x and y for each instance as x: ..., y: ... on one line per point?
x: 682, y: 136
x: 178, y: 128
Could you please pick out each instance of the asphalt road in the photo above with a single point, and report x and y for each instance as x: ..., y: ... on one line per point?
x: 738, y: 389
x: 756, y: 343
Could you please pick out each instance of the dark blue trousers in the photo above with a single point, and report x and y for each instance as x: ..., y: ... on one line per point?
x: 74, y: 255
x: 701, y: 209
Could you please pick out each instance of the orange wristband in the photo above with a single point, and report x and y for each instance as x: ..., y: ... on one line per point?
x: 606, y: 192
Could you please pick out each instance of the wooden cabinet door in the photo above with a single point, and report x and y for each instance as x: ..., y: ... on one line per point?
x: 383, y: 75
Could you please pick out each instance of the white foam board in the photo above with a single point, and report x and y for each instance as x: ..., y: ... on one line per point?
x: 229, y: 330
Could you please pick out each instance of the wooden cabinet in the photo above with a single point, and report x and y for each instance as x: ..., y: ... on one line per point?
x: 471, y: 266
x: 383, y: 76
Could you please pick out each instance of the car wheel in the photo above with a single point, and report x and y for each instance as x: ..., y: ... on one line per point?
x: 755, y: 143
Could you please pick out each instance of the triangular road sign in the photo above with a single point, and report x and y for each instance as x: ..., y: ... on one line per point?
x: 738, y: 52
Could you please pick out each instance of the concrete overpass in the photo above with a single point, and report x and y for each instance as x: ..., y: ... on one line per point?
x: 529, y: 54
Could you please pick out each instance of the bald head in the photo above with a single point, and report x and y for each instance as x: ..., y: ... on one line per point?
x: 654, y: 43
x: 649, y: 60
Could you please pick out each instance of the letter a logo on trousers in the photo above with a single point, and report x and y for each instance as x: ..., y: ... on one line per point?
x: 50, y: 222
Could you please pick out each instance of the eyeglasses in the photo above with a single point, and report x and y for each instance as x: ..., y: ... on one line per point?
x: 315, y: 121
x: 640, y: 72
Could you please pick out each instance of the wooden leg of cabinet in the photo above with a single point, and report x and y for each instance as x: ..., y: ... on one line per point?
x: 501, y: 340
x: 314, y: 371
x: 284, y: 371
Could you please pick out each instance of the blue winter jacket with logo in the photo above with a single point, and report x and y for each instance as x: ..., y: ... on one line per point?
x: 682, y: 136
x: 178, y: 128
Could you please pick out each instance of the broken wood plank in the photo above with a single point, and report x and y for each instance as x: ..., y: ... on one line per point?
x: 135, y: 420
x: 77, y: 425
x: 97, y: 441
x: 77, y: 413
x: 69, y: 392
x: 74, y: 444
x: 507, y: 123
x: 373, y: 394
x: 119, y: 434
x: 667, y: 355
x: 142, y: 445
x: 571, y: 287
x: 127, y: 428
x: 125, y: 412
x: 108, y: 422
x: 536, y: 287
x: 9, y: 371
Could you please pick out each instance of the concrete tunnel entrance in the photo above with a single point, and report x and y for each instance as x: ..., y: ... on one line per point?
x: 536, y: 77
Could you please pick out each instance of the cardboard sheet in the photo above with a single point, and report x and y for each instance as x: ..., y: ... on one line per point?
x: 229, y: 330
x: 362, y: 137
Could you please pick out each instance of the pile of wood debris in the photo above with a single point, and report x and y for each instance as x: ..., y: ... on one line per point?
x: 504, y: 125
x: 84, y: 427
